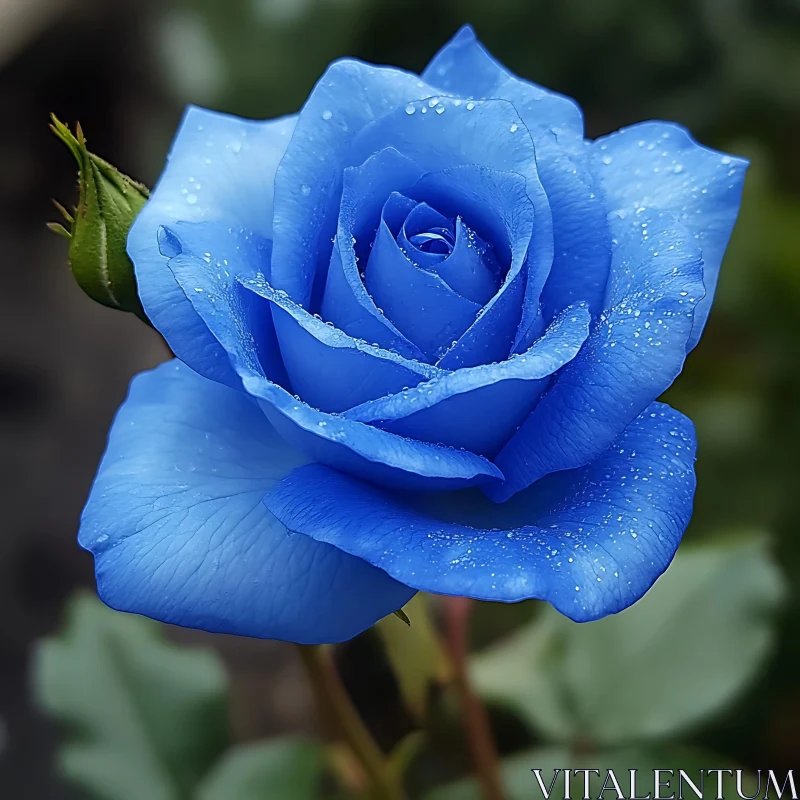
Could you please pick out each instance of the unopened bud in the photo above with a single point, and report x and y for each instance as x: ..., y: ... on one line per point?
x: 108, y: 203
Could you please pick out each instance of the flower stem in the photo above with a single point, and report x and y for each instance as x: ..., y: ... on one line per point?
x: 341, y: 717
x: 476, y: 720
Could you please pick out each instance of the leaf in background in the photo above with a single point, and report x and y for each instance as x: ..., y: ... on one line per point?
x: 286, y: 768
x: 525, y: 672
x: 677, y: 656
x: 146, y: 718
x: 404, y: 753
x: 520, y: 783
x: 415, y: 653
x: 518, y: 780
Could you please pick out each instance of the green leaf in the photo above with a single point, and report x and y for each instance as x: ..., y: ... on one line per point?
x: 415, y: 653
x: 525, y: 672
x: 289, y: 769
x: 145, y: 717
x: 679, y: 655
x: 521, y: 784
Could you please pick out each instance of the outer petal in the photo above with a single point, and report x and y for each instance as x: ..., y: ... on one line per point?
x: 349, y: 96
x: 658, y: 165
x: 179, y: 533
x: 464, y: 68
x: 582, y: 247
x: 591, y: 541
x: 219, y: 168
x: 581, y: 232
x: 478, y: 408
x: 207, y: 261
x: 633, y: 354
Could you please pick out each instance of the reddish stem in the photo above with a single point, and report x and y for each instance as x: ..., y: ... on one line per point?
x: 476, y: 720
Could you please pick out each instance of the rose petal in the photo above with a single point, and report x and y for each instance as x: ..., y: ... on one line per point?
x: 479, y: 408
x: 633, y: 354
x: 219, y: 168
x: 590, y: 541
x: 659, y: 165
x: 179, y: 533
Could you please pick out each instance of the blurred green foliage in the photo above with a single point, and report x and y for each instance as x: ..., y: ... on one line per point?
x: 520, y: 784
x: 147, y: 717
x: 673, y: 659
x: 144, y: 718
x: 703, y: 664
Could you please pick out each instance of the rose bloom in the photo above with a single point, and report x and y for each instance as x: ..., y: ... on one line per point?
x: 419, y: 330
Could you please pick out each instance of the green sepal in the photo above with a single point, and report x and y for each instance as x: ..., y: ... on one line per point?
x: 108, y: 203
x: 400, y: 614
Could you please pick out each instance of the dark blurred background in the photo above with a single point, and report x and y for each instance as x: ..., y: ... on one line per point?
x: 727, y: 69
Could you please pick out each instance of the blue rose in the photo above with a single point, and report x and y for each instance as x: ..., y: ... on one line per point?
x: 420, y: 328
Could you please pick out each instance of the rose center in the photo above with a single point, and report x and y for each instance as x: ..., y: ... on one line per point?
x: 429, y: 273
x: 436, y: 240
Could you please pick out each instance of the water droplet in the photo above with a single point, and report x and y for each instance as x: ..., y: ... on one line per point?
x: 514, y: 128
x: 191, y: 199
x: 305, y: 189
x: 327, y: 114
x: 410, y: 109
x: 470, y: 106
